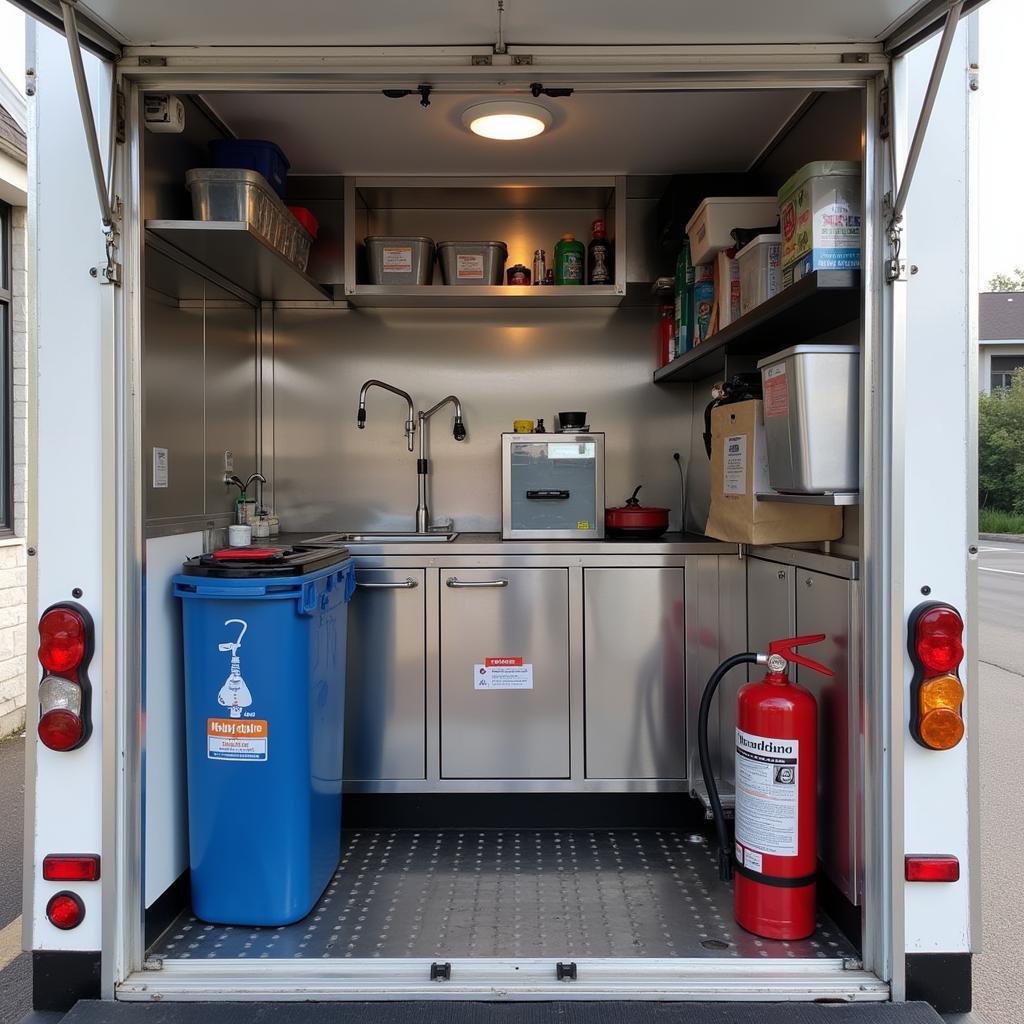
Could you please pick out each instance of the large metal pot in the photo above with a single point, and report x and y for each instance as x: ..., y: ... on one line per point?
x: 635, y: 520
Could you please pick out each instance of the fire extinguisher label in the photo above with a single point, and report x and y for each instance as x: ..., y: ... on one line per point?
x: 766, y: 795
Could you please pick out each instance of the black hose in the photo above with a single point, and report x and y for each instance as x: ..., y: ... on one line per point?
x: 724, y: 846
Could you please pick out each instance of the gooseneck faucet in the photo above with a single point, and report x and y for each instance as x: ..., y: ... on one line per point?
x: 423, y: 463
x: 410, y: 423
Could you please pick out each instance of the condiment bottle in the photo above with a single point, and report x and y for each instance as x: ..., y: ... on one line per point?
x: 570, y: 257
x: 599, y: 255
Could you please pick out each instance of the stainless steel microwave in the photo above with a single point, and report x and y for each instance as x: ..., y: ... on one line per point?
x: 552, y: 486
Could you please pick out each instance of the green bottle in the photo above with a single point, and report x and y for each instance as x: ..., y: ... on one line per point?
x: 684, y: 304
x: 570, y: 260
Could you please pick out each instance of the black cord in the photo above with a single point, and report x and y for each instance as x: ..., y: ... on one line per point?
x: 724, y: 846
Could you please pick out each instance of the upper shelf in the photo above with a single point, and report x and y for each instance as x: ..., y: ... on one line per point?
x: 504, y: 296
x: 239, y: 255
x: 817, y: 303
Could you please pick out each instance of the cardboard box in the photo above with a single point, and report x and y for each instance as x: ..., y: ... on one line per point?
x: 739, y: 470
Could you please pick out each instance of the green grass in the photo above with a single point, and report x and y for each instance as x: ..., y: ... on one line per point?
x: 991, y: 520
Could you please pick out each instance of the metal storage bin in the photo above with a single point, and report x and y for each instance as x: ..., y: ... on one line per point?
x: 472, y: 262
x: 400, y: 259
x: 811, y: 418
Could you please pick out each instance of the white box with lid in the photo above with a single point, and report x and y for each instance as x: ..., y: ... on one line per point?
x: 812, y: 418
x: 760, y: 271
x: 710, y: 228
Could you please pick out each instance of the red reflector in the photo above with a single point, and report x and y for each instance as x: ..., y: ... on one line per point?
x: 934, y: 868
x: 71, y: 867
x: 62, y: 640
x: 65, y: 910
x: 938, y: 639
x: 60, y: 729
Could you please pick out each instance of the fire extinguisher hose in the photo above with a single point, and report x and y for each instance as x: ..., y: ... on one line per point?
x: 724, y: 846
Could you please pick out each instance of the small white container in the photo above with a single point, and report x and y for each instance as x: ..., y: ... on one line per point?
x: 760, y: 271
x: 261, y: 527
x: 239, y: 536
x: 710, y: 228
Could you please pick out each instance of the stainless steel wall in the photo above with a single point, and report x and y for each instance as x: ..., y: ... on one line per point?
x: 502, y: 365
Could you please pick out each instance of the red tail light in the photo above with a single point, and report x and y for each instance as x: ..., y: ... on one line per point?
x: 936, y: 693
x: 71, y: 867
x: 933, y: 868
x: 65, y: 910
x: 65, y: 648
x: 938, y: 642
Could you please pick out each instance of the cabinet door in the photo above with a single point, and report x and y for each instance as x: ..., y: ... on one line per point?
x: 634, y: 657
x: 385, y: 699
x: 771, y: 605
x: 823, y: 605
x: 505, y: 721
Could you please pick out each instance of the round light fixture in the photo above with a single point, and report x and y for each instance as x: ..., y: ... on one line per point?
x: 507, y: 120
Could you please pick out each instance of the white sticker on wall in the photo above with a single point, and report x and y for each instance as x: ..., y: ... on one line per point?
x: 503, y: 674
x: 160, y: 467
x: 734, y: 478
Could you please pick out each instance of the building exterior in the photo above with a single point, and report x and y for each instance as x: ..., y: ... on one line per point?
x: 13, y: 404
x: 1000, y: 337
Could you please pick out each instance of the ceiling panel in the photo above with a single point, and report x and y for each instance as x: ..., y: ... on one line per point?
x: 622, y: 133
x: 468, y: 22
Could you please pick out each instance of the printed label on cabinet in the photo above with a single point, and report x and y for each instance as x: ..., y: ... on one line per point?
x: 503, y: 674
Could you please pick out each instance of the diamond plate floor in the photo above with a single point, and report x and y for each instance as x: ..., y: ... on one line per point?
x: 446, y: 894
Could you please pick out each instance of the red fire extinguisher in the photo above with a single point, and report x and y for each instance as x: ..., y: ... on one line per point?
x: 775, y: 850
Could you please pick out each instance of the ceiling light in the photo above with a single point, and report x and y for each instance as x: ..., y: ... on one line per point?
x: 507, y: 120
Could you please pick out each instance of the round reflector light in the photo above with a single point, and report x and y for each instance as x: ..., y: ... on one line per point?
x: 62, y: 640
x: 60, y: 729
x: 941, y: 692
x: 65, y: 910
x: 941, y: 729
x: 938, y: 640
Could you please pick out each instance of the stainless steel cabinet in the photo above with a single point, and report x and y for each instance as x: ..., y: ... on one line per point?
x: 771, y: 604
x: 385, y: 702
x: 634, y: 655
x: 520, y: 732
x: 824, y: 605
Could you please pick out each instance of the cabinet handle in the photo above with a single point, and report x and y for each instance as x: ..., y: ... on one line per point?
x: 454, y: 582
x: 406, y: 584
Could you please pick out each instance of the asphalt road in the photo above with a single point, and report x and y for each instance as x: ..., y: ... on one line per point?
x: 998, y: 970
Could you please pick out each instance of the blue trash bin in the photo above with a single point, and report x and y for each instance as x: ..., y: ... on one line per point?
x: 264, y: 638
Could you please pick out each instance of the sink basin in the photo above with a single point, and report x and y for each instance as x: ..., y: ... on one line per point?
x: 329, y: 539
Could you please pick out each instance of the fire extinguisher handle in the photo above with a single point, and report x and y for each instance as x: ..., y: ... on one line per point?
x: 786, y: 648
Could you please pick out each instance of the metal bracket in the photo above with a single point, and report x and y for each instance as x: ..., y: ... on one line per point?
x: 895, y: 266
x: 565, y: 972
x: 482, y: 60
x: 153, y: 963
x: 152, y: 62
x: 120, y: 117
x: 522, y: 59
x: 857, y: 57
x: 884, y: 116
x: 440, y: 972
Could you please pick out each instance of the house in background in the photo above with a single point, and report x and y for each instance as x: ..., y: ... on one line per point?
x: 1000, y: 338
x: 13, y: 403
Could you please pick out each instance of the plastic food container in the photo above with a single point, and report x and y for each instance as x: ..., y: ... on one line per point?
x: 710, y: 228
x: 760, y: 271
x: 306, y: 219
x: 811, y: 405
x: 820, y: 213
x: 400, y: 259
x: 254, y: 155
x: 472, y: 262
x: 264, y: 652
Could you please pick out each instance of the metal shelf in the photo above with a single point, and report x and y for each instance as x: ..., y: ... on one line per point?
x: 817, y: 303
x: 842, y: 498
x: 234, y: 252
x: 504, y: 296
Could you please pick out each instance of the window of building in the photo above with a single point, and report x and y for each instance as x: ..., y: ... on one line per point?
x: 6, y: 316
x: 1003, y: 368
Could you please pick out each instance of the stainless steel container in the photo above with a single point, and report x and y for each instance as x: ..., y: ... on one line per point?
x: 472, y: 262
x: 811, y: 418
x: 400, y: 259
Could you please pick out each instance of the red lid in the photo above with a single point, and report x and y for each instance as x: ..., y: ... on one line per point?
x: 598, y: 229
x: 246, y: 554
x: 306, y: 219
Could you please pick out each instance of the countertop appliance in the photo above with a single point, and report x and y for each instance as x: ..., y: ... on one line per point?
x: 552, y: 486
x: 636, y: 520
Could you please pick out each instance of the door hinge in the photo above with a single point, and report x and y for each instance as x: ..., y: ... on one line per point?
x: 972, y: 78
x: 121, y: 117
x: 895, y: 265
x: 152, y: 62
x: 884, y: 122
x: 111, y: 272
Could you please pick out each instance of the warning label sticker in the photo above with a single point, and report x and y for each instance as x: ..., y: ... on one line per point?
x: 233, y: 739
x: 396, y: 259
x: 469, y: 267
x: 503, y: 674
x: 734, y: 477
x: 766, y: 796
x: 776, y: 391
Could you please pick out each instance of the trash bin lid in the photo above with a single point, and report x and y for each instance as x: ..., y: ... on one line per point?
x: 263, y: 561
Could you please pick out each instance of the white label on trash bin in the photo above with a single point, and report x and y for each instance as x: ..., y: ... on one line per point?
x: 503, y: 674
x: 734, y: 477
x: 397, y: 259
x: 469, y: 268
x: 233, y: 739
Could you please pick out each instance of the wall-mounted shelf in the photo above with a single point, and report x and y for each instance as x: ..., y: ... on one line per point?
x: 503, y: 296
x: 842, y: 498
x: 234, y: 252
x: 814, y: 305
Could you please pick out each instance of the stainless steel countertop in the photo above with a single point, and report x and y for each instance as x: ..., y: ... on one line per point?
x: 491, y: 543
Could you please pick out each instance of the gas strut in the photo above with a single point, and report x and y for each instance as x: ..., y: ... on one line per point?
x: 724, y: 846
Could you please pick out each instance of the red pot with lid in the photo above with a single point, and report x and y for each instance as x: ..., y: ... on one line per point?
x: 635, y: 520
